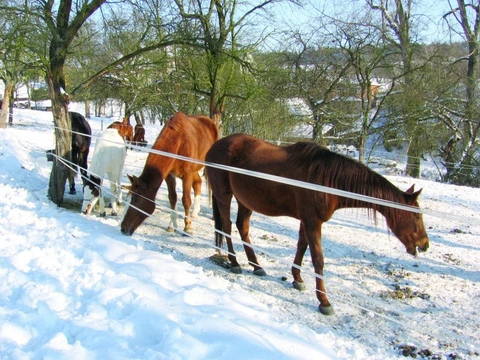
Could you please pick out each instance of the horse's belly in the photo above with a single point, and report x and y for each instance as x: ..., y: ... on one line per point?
x: 265, y: 197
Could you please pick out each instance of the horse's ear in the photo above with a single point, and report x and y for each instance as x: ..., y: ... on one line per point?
x: 136, y: 182
x: 417, y: 194
x: 133, y: 179
x: 411, y: 196
x: 411, y: 189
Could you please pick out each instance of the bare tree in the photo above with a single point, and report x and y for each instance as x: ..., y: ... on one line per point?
x: 15, y: 59
x: 367, y: 55
x: 219, y: 25
x: 459, y: 152
x: 58, y: 25
x: 397, y: 19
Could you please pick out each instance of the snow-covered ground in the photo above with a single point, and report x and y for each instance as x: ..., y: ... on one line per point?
x: 73, y: 287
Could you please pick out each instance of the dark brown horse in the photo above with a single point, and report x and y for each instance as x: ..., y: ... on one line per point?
x: 310, y: 163
x: 139, y: 136
x: 81, y: 139
x: 188, y: 136
x: 124, y: 128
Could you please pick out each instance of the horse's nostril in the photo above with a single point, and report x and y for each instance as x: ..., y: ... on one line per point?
x: 126, y: 231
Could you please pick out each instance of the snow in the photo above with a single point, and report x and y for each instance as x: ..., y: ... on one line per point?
x: 73, y: 287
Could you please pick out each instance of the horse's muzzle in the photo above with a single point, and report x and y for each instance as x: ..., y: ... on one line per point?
x: 125, y: 231
x: 421, y: 248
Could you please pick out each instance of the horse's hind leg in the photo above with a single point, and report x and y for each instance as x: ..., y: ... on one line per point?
x: 243, y: 226
x: 71, y: 183
x: 187, y: 182
x: 221, y: 215
x: 313, y: 235
x: 72, y: 172
x: 197, y: 191
x: 301, y: 248
x: 103, y: 213
x: 172, y: 198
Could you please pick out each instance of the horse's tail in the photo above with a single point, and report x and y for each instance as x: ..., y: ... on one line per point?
x: 209, y: 188
x: 218, y: 224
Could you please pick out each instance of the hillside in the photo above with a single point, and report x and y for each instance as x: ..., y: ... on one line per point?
x: 73, y: 287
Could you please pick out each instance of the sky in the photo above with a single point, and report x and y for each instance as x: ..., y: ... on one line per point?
x: 429, y: 13
x: 73, y: 287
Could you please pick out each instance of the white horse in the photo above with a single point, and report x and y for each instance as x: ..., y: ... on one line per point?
x: 108, y: 158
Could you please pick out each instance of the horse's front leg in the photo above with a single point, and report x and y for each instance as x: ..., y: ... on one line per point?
x: 172, y: 198
x: 243, y: 226
x: 187, y: 182
x: 197, y: 191
x: 313, y: 235
x: 296, y: 268
x: 118, y: 188
x: 116, y: 196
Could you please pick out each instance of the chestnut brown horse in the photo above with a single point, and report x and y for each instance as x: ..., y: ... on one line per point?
x: 124, y: 128
x: 310, y: 163
x: 187, y: 136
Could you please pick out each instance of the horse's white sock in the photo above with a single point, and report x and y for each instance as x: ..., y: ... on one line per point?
x: 196, y: 206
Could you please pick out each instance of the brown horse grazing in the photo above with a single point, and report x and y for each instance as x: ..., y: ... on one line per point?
x: 306, y: 162
x: 124, y: 128
x: 188, y: 136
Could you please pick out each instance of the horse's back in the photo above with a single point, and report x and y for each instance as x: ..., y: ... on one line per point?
x: 197, y: 128
x: 110, y: 137
x: 80, y: 124
x: 190, y: 136
x: 110, y: 151
x: 245, y: 151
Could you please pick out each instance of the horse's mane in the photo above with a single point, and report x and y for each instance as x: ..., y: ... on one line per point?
x: 324, y: 167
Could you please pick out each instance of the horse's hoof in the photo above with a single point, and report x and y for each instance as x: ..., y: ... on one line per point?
x: 236, y: 269
x: 114, y: 213
x: 259, y: 272
x: 72, y: 192
x: 170, y: 229
x: 300, y: 286
x: 326, y: 310
x: 103, y: 214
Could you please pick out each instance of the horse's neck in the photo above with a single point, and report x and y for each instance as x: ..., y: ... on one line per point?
x: 153, y: 174
x: 372, y: 185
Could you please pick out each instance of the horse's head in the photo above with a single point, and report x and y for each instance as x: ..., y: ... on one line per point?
x: 140, y: 205
x: 408, y: 225
x: 91, y: 190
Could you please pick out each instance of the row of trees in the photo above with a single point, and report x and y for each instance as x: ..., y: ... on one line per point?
x: 221, y: 57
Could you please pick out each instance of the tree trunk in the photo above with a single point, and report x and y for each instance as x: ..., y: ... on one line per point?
x: 216, y: 110
x: 63, y: 139
x: 5, y: 105
x: 87, y: 109
x: 413, y: 159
